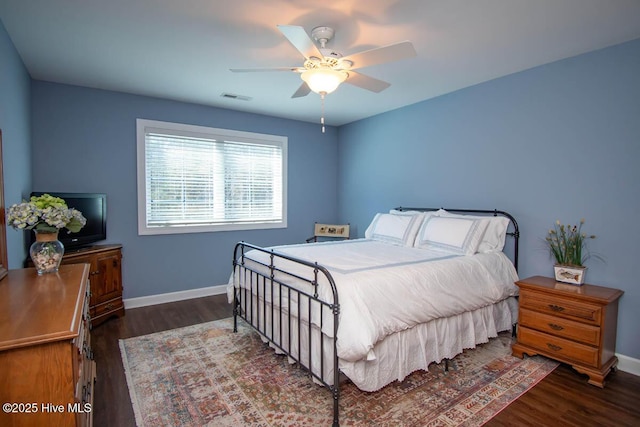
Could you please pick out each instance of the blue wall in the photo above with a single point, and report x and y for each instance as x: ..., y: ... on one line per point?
x: 84, y: 140
x: 16, y: 145
x: 561, y: 141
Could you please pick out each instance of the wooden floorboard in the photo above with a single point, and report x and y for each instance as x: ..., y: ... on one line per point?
x: 561, y: 399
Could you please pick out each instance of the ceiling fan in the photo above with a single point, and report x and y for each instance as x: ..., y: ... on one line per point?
x: 324, y: 69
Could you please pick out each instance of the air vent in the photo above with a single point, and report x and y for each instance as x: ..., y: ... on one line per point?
x: 234, y: 96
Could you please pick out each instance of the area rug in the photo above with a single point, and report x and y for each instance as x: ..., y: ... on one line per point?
x: 206, y: 375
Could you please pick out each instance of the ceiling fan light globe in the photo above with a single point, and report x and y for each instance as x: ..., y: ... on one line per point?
x: 323, y: 80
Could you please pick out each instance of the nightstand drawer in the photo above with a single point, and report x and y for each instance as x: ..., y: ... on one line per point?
x: 559, y: 348
x: 558, y: 306
x: 563, y: 328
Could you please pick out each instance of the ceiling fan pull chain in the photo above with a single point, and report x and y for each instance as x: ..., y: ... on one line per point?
x: 322, y: 106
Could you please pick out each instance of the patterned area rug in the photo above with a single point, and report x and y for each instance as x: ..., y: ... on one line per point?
x: 205, y: 375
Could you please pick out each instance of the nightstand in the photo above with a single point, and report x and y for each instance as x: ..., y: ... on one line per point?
x: 571, y: 324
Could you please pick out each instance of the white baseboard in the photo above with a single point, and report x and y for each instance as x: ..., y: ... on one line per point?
x: 625, y: 363
x: 174, y: 296
x: 628, y: 364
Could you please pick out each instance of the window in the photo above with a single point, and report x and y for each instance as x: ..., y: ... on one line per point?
x: 198, y: 179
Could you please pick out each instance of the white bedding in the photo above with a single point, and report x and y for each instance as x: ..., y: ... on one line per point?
x: 384, y: 289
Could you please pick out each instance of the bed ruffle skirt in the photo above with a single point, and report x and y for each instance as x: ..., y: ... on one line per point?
x: 407, y: 351
x: 404, y: 352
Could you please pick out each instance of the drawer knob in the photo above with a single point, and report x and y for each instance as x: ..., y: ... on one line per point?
x: 554, y: 347
x: 555, y: 327
x: 556, y: 307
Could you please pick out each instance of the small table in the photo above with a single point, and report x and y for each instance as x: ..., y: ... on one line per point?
x: 572, y: 324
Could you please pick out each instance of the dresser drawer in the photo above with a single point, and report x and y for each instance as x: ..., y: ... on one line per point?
x: 107, y: 307
x: 559, y: 348
x: 562, y: 307
x: 563, y: 328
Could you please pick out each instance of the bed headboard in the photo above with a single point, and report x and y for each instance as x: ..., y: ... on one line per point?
x: 515, y: 232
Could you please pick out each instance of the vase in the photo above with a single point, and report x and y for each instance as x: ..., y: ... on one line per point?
x: 570, y: 274
x: 46, y: 252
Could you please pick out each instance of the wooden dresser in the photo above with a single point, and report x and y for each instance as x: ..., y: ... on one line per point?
x: 47, y: 370
x: 572, y: 324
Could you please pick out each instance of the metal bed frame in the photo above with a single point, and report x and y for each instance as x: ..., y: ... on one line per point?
x: 266, y: 283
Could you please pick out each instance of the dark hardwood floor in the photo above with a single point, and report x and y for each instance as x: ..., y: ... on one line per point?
x: 562, y: 399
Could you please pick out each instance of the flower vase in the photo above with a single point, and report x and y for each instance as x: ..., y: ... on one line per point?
x: 570, y: 274
x: 46, y: 252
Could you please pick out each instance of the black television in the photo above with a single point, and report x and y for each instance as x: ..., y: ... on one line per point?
x: 93, y: 207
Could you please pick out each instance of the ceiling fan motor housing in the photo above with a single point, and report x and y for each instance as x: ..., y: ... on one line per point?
x: 330, y: 53
x: 322, y: 35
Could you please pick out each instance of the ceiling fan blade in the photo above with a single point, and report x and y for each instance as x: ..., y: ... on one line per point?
x: 299, y: 38
x: 303, y: 90
x: 380, y: 55
x: 252, y: 70
x: 366, y: 82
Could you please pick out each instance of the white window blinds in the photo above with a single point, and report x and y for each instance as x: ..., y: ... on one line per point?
x: 205, y: 179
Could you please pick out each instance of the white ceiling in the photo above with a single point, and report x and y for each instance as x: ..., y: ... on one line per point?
x: 183, y: 49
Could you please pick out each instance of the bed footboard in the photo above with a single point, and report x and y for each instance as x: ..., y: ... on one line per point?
x: 293, y: 318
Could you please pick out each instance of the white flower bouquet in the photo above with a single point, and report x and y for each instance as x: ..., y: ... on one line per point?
x: 45, y: 214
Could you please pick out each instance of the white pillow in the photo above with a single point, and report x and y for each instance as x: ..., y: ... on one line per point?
x: 398, y: 228
x: 457, y: 235
x: 495, y: 235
